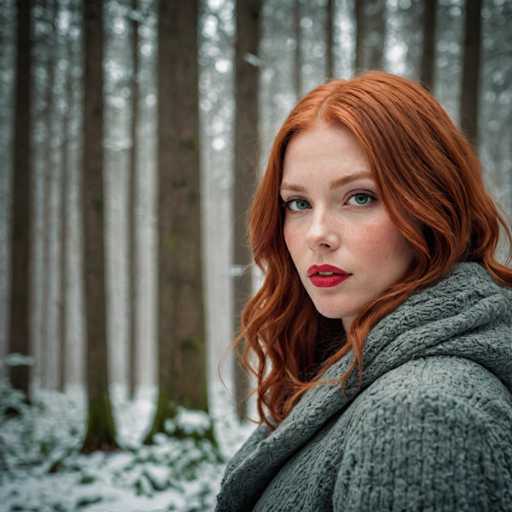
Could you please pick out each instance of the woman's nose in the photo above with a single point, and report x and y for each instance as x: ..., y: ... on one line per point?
x: 323, y: 234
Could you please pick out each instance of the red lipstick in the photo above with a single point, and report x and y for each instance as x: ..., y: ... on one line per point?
x: 325, y: 276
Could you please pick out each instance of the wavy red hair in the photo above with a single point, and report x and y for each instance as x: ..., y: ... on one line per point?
x: 423, y: 165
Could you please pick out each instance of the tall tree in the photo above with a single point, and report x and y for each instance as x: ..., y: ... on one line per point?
x: 410, y: 20
x: 132, y: 206
x: 330, y: 15
x: 182, y: 379
x: 246, y: 162
x: 428, y: 56
x: 101, y: 432
x: 297, y: 57
x: 470, y: 88
x: 376, y: 33
x: 370, y: 21
x: 21, y: 205
x: 360, y: 28
x: 47, y: 349
x: 64, y: 214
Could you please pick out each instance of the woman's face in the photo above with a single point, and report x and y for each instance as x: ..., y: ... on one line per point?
x: 334, y: 216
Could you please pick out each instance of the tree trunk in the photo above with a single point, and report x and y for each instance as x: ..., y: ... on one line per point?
x: 246, y: 162
x: 47, y: 347
x: 182, y: 379
x: 329, y: 39
x: 428, y: 57
x: 370, y: 20
x: 21, y: 206
x: 470, y: 89
x: 64, y: 209
x: 133, y: 272
x: 412, y: 20
x: 100, y: 433
x: 376, y: 35
x: 297, y: 61
x: 360, y: 28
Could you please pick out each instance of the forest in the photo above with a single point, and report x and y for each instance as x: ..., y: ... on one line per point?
x: 134, y: 132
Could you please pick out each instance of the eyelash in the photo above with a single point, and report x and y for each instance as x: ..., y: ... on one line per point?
x: 286, y: 204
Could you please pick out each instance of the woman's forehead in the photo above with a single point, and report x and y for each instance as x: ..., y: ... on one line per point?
x: 328, y: 152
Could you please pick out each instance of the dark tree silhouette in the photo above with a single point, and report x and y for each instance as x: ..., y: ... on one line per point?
x: 428, y: 56
x: 470, y: 88
x: 330, y: 15
x: 19, y: 337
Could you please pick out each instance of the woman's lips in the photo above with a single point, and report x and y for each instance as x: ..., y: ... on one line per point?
x: 328, y: 281
x: 314, y: 269
x: 335, y: 275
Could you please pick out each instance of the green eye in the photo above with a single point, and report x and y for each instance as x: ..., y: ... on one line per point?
x: 362, y: 199
x: 297, y: 205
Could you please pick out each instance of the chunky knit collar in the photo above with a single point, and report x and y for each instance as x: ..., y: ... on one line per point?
x: 464, y: 315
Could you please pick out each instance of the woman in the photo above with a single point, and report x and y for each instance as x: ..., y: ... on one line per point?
x: 382, y: 329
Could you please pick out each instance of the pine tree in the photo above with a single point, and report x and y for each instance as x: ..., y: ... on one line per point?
x: 101, y: 432
x: 370, y: 22
x: 19, y: 338
x: 246, y: 162
x: 470, y: 88
x: 132, y: 207
x: 428, y: 56
x: 330, y: 15
x: 182, y: 379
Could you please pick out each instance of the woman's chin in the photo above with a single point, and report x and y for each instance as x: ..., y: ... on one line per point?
x: 328, y: 312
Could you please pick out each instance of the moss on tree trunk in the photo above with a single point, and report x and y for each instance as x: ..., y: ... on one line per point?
x: 166, y: 410
x: 101, y: 431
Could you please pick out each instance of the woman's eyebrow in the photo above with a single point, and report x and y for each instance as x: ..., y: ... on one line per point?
x: 334, y: 184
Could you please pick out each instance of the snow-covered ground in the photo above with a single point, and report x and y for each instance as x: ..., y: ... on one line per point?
x: 41, y: 470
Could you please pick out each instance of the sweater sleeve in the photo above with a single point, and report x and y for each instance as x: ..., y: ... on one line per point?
x: 430, y: 452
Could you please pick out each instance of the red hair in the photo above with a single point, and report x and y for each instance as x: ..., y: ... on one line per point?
x: 423, y: 165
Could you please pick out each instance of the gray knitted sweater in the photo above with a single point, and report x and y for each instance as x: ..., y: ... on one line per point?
x: 431, y: 429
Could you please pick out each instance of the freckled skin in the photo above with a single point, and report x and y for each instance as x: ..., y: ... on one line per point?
x: 344, y: 227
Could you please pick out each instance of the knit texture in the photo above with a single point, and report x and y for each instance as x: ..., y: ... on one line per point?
x: 430, y: 430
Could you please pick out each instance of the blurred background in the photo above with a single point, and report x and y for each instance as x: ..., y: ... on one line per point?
x: 133, y: 133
